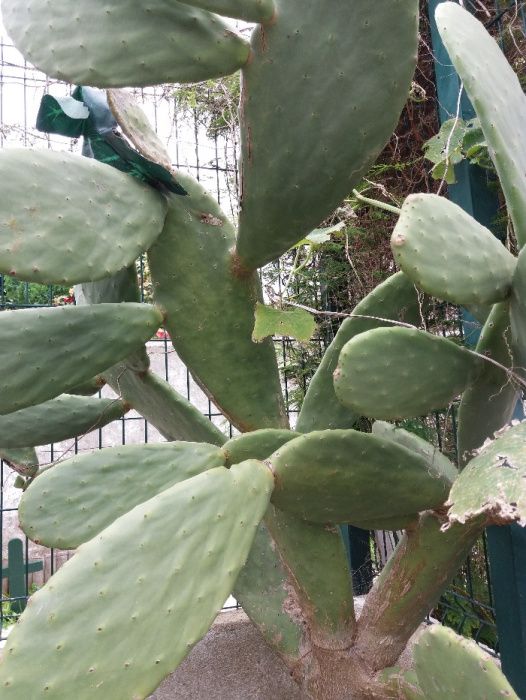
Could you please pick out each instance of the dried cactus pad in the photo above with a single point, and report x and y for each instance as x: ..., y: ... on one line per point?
x: 130, y: 605
x: 58, y: 348
x: 59, y: 419
x: 393, y: 373
x: 346, y: 476
x: 119, y: 43
x: 66, y: 219
x: 66, y: 505
x: 493, y: 484
x: 498, y: 99
x: 455, y: 668
x: 448, y: 254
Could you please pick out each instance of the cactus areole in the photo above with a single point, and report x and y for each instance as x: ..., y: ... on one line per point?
x: 257, y: 515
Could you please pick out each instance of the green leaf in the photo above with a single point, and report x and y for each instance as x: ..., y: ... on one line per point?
x: 320, y: 235
x: 295, y: 323
x: 444, y: 171
x: 449, y: 138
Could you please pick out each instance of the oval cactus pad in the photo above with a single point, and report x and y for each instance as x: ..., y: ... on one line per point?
x: 66, y: 219
x: 66, y: 505
x: 450, y: 255
x: 59, y: 419
x: 120, y: 43
x: 59, y: 348
x: 393, y: 373
x: 146, y: 589
x: 342, y: 476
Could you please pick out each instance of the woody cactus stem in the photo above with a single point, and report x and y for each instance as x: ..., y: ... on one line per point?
x: 257, y: 515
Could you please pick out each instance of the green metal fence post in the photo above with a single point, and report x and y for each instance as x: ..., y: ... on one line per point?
x: 506, y: 545
x: 16, y: 573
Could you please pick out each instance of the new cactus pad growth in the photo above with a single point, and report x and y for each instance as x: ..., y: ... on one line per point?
x: 256, y: 515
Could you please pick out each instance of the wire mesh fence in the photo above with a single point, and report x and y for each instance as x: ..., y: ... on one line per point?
x: 212, y: 159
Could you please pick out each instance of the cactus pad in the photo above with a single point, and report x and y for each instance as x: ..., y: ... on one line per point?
x: 498, y: 99
x: 134, y: 631
x: 134, y: 123
x: 116, y: 43
x: 489, y: 402
x: 396, y: 299
x: 347, y: 476
x: 393, y: 373
x: 416, y: 444
x: 59, y: 419
x: 249, y: 10
x: 450, y: 255
x: 71, y: 243
x: 259, y: 444
x: 452, y: 667
x: 23, y: 460
x: 316, y: 76
x: 59, y: 348
x: 206, y: 303
x: 66, y: 505
x: 518, y: 315
x: 493, y: 484
x: 170, y: 412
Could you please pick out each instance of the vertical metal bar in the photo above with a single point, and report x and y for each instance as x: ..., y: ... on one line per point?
x: 506, y: 545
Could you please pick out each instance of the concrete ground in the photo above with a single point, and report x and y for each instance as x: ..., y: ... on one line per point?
x: 231, y: 663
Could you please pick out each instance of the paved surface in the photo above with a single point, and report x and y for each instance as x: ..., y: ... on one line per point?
x: 231, y: 663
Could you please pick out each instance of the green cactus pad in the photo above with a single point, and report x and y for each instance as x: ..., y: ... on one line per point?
x: 249, y: 10
x: 315, y: 77
x: 206, y: 303
x: 258, y: 444
x: 498, y: 99
x: 121, y: 287
x: 67, y: 505
x: 393, y: 373
x: 448, y: 254
x: 141, y: 599
x: 413, y: 442
x: 346, y: 476
x: 173, y: 415
x: 262, y: 590
x: 134, y: 123
x: 518, y: 315
x: 70, y: 245
x: 493, y: 484
x: 59, y: 419
x: 23, y: 460
x: 489, y: 402
x: 59, y: 348
x: 316, y: 557
x: 396, y: 299
x: 88, y: 388
x: 111, y: 43
x: 456, y: 668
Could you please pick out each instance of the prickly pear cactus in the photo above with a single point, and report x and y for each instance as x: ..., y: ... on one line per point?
x: 256, y: 515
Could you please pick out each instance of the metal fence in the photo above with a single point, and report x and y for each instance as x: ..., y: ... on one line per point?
x: 467, y: 606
